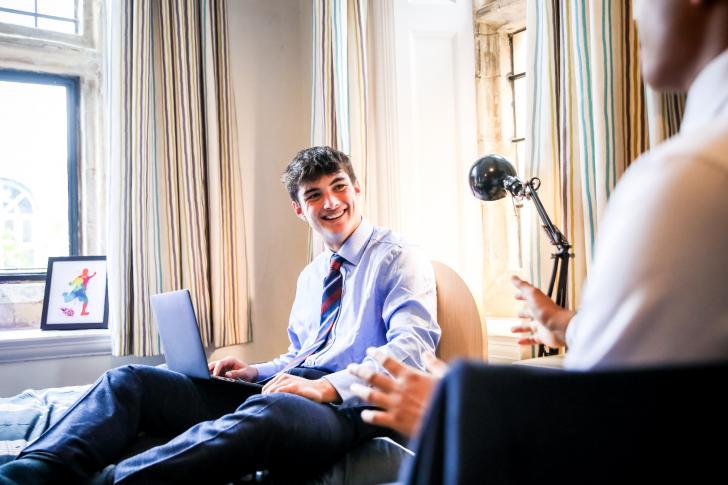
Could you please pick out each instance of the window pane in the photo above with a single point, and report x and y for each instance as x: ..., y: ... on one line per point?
x: 25, y: 5
x: 33, y: 174
x: 521, y: 156
x: 519, y: 94
x: 519, y: 52
x: 64, y: 9
x: 57, y: 26
x: 11, y: 18
x: 58, y: 8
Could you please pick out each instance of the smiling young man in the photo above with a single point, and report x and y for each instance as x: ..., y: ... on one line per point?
x: 367, y: 288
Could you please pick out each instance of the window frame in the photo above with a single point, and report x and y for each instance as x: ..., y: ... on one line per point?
x: 512, y: 77
x: 71, y: 83
x: 87, y: 19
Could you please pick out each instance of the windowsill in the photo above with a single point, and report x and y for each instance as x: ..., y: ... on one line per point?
x: 36, y: 344
x: 548, y: 362
x: 503, y: 347
x: 22, y: 276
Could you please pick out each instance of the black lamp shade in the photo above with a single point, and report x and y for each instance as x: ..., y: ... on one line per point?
x: 487, y: 177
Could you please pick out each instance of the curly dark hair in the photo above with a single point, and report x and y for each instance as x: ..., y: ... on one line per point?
x: 311, y: 164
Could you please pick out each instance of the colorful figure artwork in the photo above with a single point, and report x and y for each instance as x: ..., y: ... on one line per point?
x: 78, y: 292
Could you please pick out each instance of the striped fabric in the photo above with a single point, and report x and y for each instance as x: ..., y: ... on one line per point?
x: 175, y: 190
x: 340, y: 99
x: 588, y: 121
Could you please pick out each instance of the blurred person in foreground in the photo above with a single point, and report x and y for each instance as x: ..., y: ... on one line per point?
x: 656, y: 293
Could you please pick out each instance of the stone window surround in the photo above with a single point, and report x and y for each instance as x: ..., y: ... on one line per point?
x: 494, y: 20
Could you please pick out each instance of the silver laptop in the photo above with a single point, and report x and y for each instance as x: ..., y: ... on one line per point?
x: 181, y: 340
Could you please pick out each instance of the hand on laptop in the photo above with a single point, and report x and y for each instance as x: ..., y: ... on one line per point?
x: 233, y: 368
x: 319, y: 390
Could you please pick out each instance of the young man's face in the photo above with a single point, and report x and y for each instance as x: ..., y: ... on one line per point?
x: 330, y: 205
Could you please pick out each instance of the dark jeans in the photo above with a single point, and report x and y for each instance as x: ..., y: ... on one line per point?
x: 216, y: 432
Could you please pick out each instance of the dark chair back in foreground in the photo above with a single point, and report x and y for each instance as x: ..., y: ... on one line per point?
x: 513, y: 424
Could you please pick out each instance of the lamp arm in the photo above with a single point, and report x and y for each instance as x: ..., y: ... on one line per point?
x: 560, y: 269
x: 556, y: 237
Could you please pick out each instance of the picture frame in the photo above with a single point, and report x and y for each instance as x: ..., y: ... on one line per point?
x: 76, y: 293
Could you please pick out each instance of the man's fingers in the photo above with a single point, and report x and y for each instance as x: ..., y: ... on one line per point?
x: 395, y: 367
x: 374, y: 396
x: 217, y: 369
x: 525, y: 313
x: 273, y: 383
x: 381, y: 381
x: 519, y: 283
x: 236, y: 374
x: 379, y: 418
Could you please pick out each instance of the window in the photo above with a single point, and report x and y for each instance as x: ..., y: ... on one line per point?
x: 38, y: 176
x: 53, y: 15
x: 500, y: 38
x: 52, y: 170
x: 517, y: 78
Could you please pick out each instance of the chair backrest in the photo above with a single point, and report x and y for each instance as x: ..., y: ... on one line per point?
x: 462, y: 333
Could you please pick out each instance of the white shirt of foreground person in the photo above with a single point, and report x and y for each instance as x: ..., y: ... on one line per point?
x: 659, y: 290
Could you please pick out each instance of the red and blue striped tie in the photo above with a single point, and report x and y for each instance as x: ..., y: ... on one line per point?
x: 330, y: 306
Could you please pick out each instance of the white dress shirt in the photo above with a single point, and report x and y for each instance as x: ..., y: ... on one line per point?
x: 388, y: 301
x: 658, y: 290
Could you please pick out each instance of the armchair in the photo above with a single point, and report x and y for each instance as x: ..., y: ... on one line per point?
x: 514, y: 424
x: 463, y: 336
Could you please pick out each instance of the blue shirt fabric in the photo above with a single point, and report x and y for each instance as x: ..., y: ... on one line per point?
x: 388, y: 301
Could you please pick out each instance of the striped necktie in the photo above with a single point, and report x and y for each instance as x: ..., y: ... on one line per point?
x: 330, y: 306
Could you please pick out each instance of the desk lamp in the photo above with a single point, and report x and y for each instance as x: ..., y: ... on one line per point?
x: 491, y: 178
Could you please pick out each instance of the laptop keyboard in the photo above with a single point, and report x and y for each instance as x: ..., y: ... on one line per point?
x: 229, y: 379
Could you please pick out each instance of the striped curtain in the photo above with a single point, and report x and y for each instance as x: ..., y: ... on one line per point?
x: 340, y: 107
x: 175, y: 187
x: 589, y: 120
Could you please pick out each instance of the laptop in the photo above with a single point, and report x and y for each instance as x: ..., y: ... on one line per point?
x: 181, y: 340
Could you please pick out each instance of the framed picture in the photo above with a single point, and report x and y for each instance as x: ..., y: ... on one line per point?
x: 76, y: 294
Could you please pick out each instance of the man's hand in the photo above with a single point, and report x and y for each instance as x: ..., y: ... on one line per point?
x: 550, y: 320
x: 403, y: 399
x: 233, y: 368
x: 319, y: 390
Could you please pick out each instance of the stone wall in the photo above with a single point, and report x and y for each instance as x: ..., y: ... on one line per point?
x: 21, y: 304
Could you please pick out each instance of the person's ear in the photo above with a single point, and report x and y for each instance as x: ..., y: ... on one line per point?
x: 298, y: 210
x: 357, y: 188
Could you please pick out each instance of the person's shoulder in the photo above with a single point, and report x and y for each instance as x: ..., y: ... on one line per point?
x: 386, y: 240
x: 705, y: 149
x: 393, y: 249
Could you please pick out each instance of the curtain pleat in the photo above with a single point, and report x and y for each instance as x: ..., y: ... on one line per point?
x: 588, y: 122
x: 175, y: 183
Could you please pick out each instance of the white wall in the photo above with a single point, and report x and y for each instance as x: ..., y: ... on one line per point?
x: 270, y: 48
x: 434, y: 63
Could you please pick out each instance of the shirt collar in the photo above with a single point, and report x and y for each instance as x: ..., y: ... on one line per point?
x: 354, y: 246
x: 708, y: 94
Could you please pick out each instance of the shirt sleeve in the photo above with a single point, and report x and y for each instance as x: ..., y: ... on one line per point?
x: 656, y: 291
x: 409, y: 314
